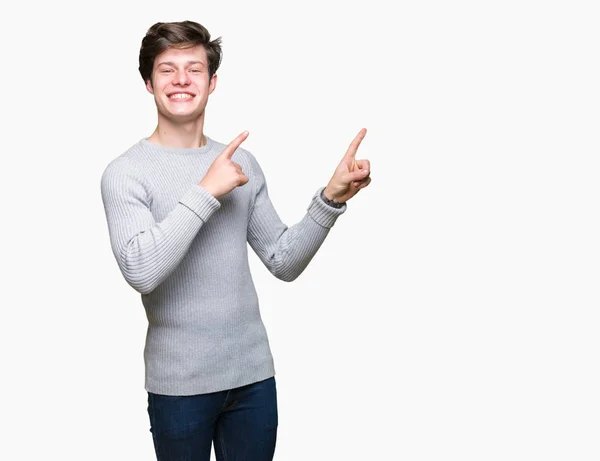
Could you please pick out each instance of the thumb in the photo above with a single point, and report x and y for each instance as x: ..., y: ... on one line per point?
x: 357, y: 175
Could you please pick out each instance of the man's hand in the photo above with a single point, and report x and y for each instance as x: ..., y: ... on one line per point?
x: 351, y: 175
x: 224, y: 175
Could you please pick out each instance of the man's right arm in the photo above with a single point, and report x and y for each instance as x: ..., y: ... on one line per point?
x: 147, y: 252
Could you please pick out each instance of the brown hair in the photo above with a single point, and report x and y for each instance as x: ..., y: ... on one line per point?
x: 184, y: 34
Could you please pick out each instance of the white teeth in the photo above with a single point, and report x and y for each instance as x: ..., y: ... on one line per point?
x: 180, y: 96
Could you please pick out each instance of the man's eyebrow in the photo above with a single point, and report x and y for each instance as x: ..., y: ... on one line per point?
x: 170, y: 63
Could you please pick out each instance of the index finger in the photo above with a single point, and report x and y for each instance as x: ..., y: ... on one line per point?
x: 233, y: 145
x: 351, y: 152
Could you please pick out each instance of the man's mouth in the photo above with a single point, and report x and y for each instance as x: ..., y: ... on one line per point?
x: 181, y: 96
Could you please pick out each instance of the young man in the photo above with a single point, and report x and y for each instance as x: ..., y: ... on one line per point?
x: 181, y: 208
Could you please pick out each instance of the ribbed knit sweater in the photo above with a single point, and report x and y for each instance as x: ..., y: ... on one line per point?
x: 186, y: 252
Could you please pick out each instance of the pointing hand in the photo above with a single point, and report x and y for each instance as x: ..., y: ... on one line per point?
x: 351, y: 175
x: 224, y: 175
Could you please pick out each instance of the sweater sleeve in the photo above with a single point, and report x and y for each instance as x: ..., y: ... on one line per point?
x: 147, y: 251
x: 286, y: 252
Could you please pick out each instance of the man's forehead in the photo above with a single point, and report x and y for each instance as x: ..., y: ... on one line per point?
x: 171, y: 56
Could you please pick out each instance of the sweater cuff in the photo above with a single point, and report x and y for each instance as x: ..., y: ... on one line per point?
x: 200, y: 201
x: 324, y: 214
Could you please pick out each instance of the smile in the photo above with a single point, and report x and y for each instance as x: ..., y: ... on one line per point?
x: 181, y: 96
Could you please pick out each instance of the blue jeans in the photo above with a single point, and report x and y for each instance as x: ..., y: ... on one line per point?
x: 242, y: 423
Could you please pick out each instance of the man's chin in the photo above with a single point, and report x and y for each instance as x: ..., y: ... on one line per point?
x: 182, y: 117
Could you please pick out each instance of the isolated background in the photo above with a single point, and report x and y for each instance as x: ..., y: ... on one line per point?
x: 452, y: 313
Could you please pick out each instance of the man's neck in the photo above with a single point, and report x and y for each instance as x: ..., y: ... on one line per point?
x: 181, y: 136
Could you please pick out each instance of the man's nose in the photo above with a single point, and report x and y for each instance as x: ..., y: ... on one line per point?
x: 182, y: 77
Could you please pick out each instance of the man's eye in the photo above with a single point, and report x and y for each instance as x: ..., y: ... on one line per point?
x: 166, y: 70
x: 195, y: 70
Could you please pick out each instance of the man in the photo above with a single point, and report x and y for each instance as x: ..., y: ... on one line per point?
x: 181, y: 208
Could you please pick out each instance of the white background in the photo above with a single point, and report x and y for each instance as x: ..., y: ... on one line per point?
x: 452, y: 313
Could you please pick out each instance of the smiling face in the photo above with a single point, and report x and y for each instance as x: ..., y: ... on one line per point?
x: 181, y: 84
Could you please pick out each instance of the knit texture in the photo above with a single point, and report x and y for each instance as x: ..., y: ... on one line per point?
x: 186, y: 252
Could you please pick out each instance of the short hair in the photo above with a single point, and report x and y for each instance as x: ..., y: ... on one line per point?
x: 184, y: 34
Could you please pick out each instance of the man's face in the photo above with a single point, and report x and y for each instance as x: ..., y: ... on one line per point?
x: 181, y: 84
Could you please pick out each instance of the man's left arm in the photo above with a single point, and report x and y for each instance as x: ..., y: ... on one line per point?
x: 287, y: 251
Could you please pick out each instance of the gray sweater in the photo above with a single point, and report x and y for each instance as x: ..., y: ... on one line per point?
x: 185, y: 251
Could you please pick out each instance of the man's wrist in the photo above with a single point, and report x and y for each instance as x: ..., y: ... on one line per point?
x: 328, y: 195
x: 325, y: 196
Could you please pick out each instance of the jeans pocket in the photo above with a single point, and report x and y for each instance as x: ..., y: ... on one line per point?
x: 174, y: 417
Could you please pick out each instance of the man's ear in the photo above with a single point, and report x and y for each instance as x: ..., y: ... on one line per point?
x: 149, y: 86
x: 213, y: 84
